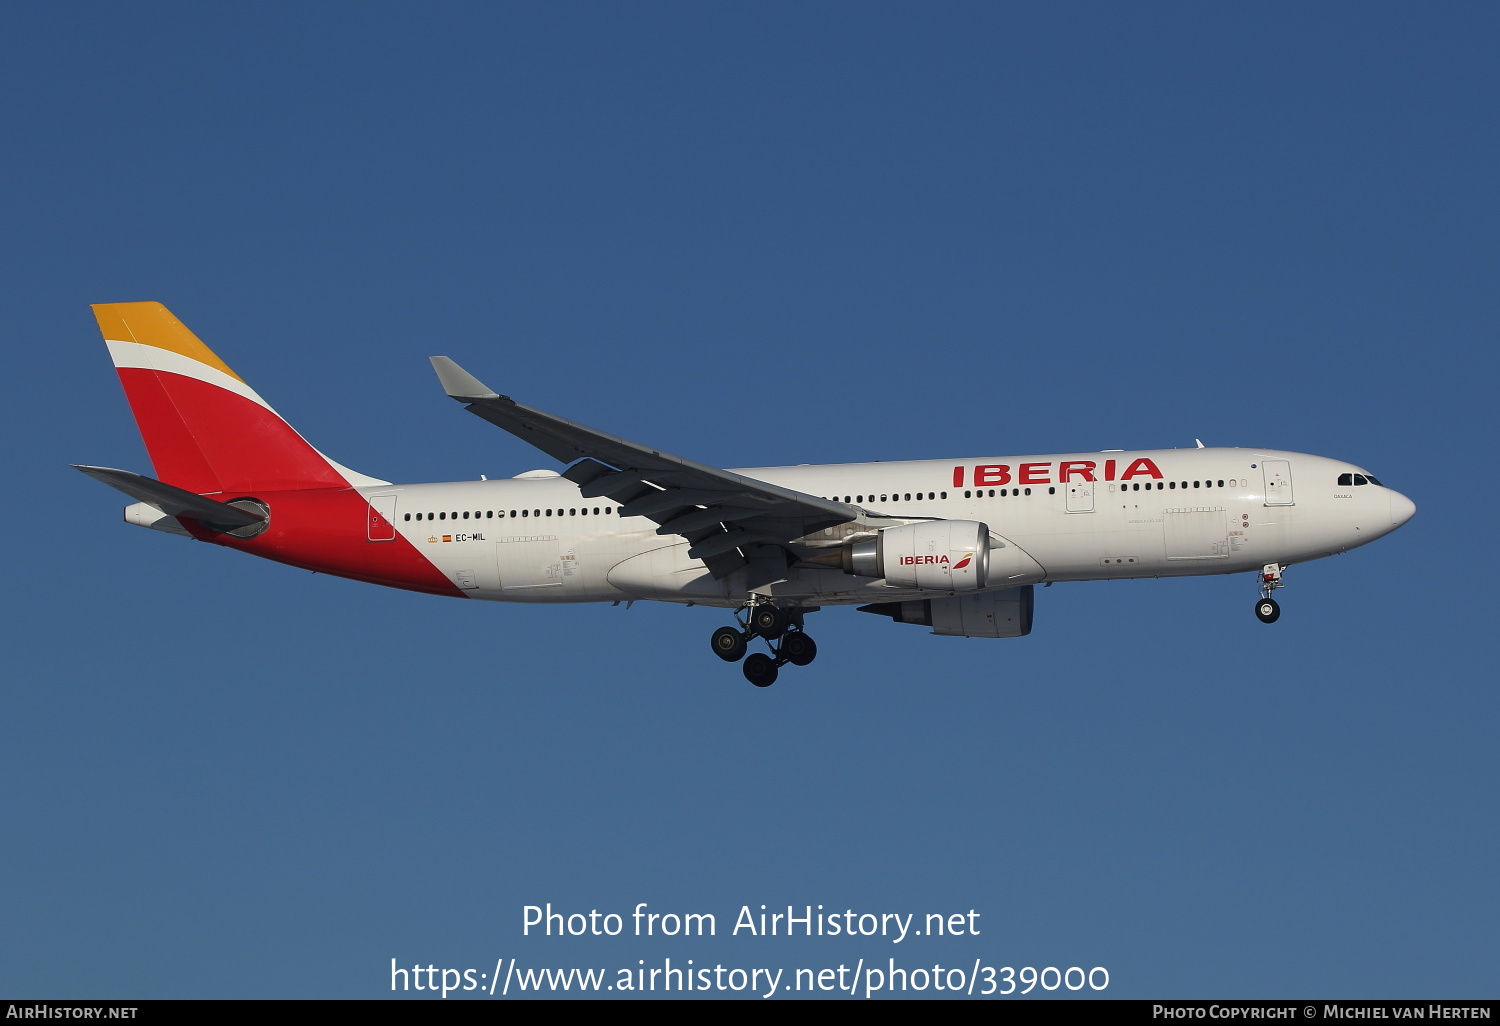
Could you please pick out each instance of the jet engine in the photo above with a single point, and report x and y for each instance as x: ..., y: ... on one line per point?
x: 933, y: 555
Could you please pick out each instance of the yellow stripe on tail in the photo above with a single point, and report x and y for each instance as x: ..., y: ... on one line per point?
x: 151, y: 324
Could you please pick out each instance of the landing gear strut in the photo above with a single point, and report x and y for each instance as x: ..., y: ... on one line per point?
x: 782, y: 631
x: 1267, y: 609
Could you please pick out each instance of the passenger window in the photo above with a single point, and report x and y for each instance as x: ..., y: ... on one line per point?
x: 466, y: 514
x: 408, y: 516
x: 442, y: 516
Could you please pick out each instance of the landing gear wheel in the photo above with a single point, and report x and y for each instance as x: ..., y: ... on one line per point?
x: 769, y: 622
x: 760, y: 670
x: 729, y: 644
x: 1267, y: 610
x: 798, y: 649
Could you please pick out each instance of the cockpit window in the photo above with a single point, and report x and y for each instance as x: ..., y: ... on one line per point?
x: 1372, y: 480
x: 1345, y: 480
x: 1360, y: 479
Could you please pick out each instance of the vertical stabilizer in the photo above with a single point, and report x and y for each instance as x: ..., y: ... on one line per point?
x: 204, y: 428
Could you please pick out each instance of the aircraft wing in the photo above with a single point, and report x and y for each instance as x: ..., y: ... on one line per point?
x: 730, y: 519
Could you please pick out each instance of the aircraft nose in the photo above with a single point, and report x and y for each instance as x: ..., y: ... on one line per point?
x: 1402, y: 509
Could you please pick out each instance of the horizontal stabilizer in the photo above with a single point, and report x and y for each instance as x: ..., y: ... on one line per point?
x: 174, y: 501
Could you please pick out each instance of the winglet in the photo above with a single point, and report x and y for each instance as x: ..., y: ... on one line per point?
x: 459, y: 383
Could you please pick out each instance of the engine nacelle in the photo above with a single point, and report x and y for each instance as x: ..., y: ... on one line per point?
x: 995, y: 614
x: 934, y: 555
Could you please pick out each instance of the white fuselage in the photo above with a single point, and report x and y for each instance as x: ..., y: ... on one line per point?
x: 1072, y: 517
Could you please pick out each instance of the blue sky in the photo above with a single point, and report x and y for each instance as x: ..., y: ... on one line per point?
x: 756, y: 235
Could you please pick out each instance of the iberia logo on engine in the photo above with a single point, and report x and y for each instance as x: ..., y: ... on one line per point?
x: 914, y: 560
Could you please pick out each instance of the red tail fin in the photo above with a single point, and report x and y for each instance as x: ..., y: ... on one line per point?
x: 204, y: 428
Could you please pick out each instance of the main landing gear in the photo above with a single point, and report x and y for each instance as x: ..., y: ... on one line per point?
x: 782, y: 630
x: 1267, y: 610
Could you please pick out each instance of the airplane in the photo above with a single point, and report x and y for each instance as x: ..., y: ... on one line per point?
x: 957, y: 545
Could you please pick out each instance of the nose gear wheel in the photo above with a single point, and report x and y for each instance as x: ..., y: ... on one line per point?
x: 1267, y: 610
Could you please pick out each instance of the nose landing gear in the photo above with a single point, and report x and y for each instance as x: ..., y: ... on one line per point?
x: 782, y: 631
x: 1267, y: 610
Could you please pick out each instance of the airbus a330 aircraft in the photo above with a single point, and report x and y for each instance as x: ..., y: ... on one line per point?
x: 956, y: 544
